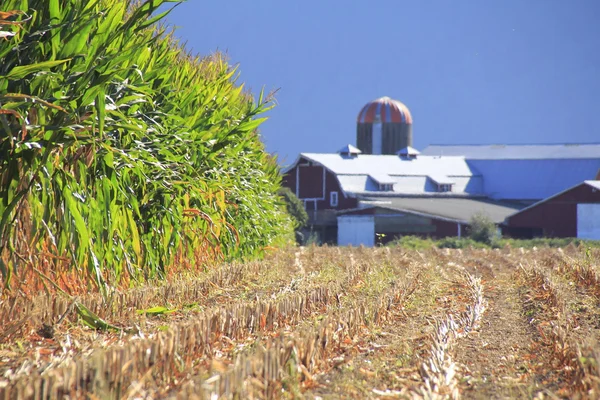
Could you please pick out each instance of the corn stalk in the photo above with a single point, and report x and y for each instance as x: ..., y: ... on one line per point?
x: 121, y: 154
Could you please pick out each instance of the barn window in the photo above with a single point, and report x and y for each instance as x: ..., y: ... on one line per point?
x: 333, y: 199
x: 386, y: 187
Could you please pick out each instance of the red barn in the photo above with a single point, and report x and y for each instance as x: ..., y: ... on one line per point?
x: 574, y: 212
x: 413, y: 195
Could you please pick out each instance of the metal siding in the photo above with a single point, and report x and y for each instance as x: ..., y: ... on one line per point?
x: 588, y: 221
x: 356, y: 230
x: 364, y: 138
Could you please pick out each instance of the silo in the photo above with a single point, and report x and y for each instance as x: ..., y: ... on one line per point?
x: 384, y: 126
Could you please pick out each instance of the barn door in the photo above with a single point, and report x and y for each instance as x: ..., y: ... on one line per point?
x: 356, y: 230
x: 588, y: 221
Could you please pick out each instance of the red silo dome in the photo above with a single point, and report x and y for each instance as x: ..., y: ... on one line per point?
x: 384, y: 110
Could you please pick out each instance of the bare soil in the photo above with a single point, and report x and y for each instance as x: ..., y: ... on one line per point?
x: 495, y: 361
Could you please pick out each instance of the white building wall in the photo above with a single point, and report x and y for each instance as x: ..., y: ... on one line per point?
x: 588, y: 221
x: 355, y: 230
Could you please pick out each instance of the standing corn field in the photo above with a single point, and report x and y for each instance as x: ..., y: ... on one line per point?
x: 122, y: 156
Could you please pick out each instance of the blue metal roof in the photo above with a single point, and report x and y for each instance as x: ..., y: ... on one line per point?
x: 515, y: 151
x: 533, y: 179
x: 527, y: 171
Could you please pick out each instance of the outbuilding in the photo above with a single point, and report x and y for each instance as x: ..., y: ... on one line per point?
x: 574, y: 212
x: 381, y: 219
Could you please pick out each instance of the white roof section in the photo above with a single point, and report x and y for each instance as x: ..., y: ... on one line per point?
x: 392, y: 165
x: 357, y: 183
x: 382, y: 178
x: 516, y: 151
x: 441, y: 179
x: 363, y: 174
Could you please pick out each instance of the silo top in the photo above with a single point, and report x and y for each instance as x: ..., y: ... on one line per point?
x: 384, y: 110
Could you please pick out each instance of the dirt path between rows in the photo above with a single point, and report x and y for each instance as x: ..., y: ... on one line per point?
x: 494, y: 363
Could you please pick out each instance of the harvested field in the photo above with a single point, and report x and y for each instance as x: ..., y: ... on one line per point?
x: 323, y: 323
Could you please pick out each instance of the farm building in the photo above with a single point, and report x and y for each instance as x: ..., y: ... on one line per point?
x: 574, y: 212
x: 385, y: 187
x: 527, y: 172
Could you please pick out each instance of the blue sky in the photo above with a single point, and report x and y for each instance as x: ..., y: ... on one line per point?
x: 470, y: 71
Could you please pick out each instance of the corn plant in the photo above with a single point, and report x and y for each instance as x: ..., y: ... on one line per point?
x: 122, y: 154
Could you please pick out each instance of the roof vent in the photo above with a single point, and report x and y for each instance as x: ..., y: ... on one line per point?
x: 349, y: 151
x: 408, y: 152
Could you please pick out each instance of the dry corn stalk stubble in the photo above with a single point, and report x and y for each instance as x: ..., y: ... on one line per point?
x: 283, y: 339
x: 286, y: 308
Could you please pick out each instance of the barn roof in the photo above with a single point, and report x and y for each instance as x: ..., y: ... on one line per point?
x: 516, y: 151
x: 364, y: 174
x: 372, y: 164
x: 533, y: 179
x: 456, y: 209
x: 527, y: 172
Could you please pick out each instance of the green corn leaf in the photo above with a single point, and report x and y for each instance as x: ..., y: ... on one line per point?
x: 73, y: 207
x: 55, y: 20
x: 101, y: 110
x: 19, y: 72
x: 251, y: 125
x: 77, y: 42
x: 92, y: 320
x: 158, y: 310
x: 154, y: 20
x: 135, y: 238
x: 89, y: 95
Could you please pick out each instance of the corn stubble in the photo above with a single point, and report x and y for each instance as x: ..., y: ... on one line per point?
x: 289, y: 335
